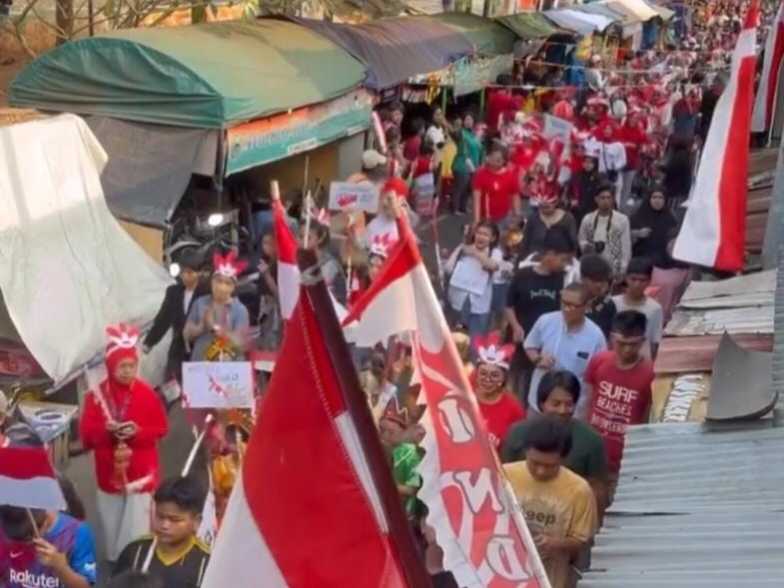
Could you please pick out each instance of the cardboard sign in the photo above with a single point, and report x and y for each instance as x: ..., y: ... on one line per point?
x: 557, y: 127
x: 218, y: 384
x: 349, y: 197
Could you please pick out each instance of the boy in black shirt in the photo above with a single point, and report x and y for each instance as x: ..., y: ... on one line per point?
x: 596, y: 276
x: 535, y: 290
x: 179, y: 558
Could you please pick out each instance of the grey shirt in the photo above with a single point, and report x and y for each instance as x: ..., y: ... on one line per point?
x: 233, y: 318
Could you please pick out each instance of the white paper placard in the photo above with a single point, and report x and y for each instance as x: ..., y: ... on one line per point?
x: 348, y: 196
x: 218, y: 384
x: 469, y: 275
x: 557, y: 127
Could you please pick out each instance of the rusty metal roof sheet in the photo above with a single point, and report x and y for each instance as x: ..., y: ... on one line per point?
x: 756, y: 282
x: 683, y: 355
x: 695, y: 508
x: 757, y: 320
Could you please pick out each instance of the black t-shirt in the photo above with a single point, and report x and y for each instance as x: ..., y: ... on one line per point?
x: 602, y: 312
x: 531, y: 295
x: 186, y: 571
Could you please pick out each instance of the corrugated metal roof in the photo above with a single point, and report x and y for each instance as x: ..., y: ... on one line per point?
x: 756, y: 282
x: 695, y: 507
x: 715, y: 322
x: 681, y: 355
x: 778, y: 340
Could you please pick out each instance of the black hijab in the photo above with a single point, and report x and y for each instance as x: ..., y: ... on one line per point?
x: 661, y: 222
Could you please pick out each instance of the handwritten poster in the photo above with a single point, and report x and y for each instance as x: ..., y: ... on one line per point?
x: 221, y: 384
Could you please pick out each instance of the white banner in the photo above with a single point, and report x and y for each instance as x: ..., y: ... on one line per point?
x: 349, y: 197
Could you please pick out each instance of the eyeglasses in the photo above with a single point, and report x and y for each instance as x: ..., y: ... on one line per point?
x: 571, y: 305
x: 490, y: 374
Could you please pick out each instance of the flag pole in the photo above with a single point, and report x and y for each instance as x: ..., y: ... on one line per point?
x: 401, y: 536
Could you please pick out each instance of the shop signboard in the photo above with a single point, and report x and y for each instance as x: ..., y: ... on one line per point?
x: 283, y: 135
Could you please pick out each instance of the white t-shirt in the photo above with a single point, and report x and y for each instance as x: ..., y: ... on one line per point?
x: 572, y: 351
x: 469, y: 271
x: 655, y: 315
x: 435, y: 135
x: 379, y: 226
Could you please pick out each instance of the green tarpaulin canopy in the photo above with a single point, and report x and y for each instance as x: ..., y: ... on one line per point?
x: 529, y: 26
x: 211, y: 76
x: 488, y: 37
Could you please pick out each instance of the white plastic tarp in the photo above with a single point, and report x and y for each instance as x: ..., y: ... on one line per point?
x: 582, y: 23
x: 67, y: 268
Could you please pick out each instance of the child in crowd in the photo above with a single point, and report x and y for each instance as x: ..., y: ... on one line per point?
x: 638, y: 278
x: 472, y: 266
x: 176, y: 555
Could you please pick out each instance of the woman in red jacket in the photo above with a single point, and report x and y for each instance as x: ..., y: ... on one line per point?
x: 122, y: 421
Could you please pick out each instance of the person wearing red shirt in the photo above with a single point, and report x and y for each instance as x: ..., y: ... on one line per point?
x: 122, y: 422
x: 499, y: 408
x: 619, y: 385
x: 634, y: 137
x: 499, y: 101
x: 496, y: 189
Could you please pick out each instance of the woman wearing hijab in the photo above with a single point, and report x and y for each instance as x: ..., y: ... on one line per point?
x: 651, y: 225
x: 122, y: 421
x: 654, y: 229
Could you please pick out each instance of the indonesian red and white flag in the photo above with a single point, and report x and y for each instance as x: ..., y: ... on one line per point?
x: 470, y: 504
x: 27, y: 479
x: 288, y: 272
x: 307, y: 509
x: 771, y: 71
x: 713, y: 233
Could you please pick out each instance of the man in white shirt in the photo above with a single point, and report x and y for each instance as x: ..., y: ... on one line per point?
x: 564, y: 340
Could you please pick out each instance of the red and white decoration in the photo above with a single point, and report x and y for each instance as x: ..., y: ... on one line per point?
x: 771, y: 72
x: 331, y: 529
x: 228, y: 265
x: 27, y: 479
x: 492, y: 352
x: 288, y: 272
x: 478, y: 525
x: 714, y: 229
x: 381, y: 244
x: 121, y: 337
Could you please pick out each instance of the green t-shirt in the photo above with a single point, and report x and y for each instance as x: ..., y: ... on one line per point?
x: 405, y: 459
x: 470, y: 147
x: 587, y: 458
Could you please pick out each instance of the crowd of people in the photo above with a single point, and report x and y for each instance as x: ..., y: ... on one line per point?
x: 557, y: 296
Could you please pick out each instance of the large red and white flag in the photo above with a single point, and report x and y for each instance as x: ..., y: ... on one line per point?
x: 714, y: 229
x: 288, y: 272
x: 470, y: 505
x: 27, y: 479
x: 771, y: 69
x: 315, y: 504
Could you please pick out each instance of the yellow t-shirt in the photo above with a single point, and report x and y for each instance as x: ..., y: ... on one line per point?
x: 448, y: 154
x: 563, y: 507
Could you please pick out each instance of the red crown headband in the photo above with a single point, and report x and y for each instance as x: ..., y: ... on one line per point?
x: 491, y: 351
x: 121, y: 336
x: 228, y: 265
